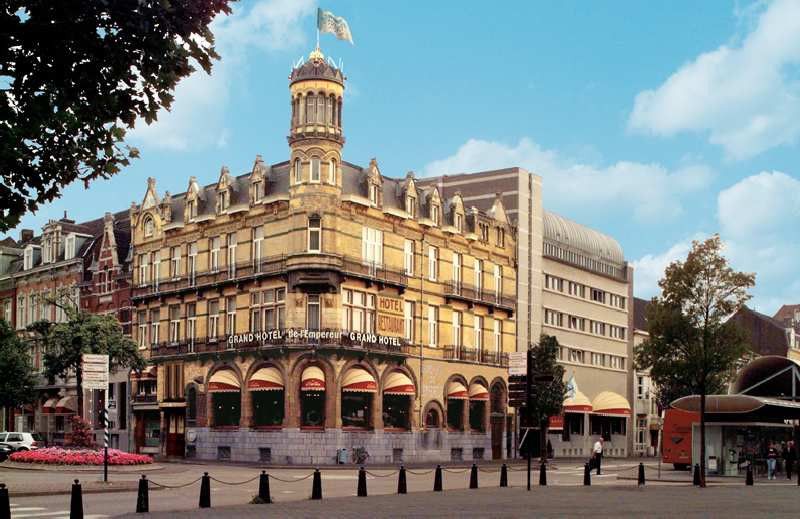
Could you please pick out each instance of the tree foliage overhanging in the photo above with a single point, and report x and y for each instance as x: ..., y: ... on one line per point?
x: 548, y: 397
x: 74, y: 75
x: 17, y: 379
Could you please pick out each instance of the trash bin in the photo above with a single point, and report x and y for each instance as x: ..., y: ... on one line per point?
x: 341, y: 456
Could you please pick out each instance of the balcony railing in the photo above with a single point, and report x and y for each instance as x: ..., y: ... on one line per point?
x: 147, y: 398
x: 230, y: 273
x: 472, y: 294
x: 293, y: 338
x: 475, y: 355
x: 374, y: 271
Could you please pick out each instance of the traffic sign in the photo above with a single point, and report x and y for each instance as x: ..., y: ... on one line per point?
x: 517, y: 363
x: 94, y: 371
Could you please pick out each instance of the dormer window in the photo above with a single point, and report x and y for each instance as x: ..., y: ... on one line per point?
x: 501, y: 237
x: 484, y: 229
x: 332, y: 172
x: 315, y: 169
x: 436, y: 214
x: 191, y: 209
x: 373, y: 194
x: 69, y: 247
x: 411, y: 206
x: 458, y: 222
x: 223, y: 201
x: 258, y: 190
x: 298, y: 172
x: 148, y: 227
x: 27, y: 259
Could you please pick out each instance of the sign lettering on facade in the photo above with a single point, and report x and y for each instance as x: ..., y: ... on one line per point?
x: 390, y: 316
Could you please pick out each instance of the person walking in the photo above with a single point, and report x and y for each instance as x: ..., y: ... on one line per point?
x: 772, y: 460
x: 598, y: 453
x: 789, y: 456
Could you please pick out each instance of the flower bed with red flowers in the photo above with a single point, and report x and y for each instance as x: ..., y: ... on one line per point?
x: 61, y: 456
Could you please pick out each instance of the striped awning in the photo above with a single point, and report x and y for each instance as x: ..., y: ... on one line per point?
x: 609, y: 403
x: 66, y: 405
x: 478, y: 391
x: 266, y: 379
x: 398, y: 383
x: 49, y: 406
x: 313, y: 379
x: 224, y: 381
x: 359, y: 380
x: 457, y: 390
x: 578, y: 403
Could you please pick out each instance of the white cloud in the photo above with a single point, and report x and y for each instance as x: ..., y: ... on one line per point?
x: 758, y: 223
x: 650, y: 192
x: 197, y: 118
x: 746, y: 96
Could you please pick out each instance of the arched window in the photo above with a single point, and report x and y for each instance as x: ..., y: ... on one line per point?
x: 315, y: 167
x: 267, y: 397
x: 398, y: 395
x: 148, y: 227
x: 478, y: 398
x: 457, y: 396
x: 321, y: 108
x: 314, y: 233
x: 226, y: 397
x: 332, y: 172
x: 358, y: 390
x: 329, y: 111
x: 432, y: 419
x: 312, y: 398
x: 310, y: 109
x: 298, y: 173
x: 339, y: 114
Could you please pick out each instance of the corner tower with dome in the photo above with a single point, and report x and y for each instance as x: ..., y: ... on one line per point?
x: 310, y: 305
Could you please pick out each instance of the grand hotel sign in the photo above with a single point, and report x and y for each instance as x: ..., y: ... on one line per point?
x: 301, y: 335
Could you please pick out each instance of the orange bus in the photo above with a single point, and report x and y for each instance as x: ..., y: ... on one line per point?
x: 676, y: 439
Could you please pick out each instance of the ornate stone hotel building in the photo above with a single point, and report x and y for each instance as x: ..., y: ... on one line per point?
x: 314, y: 305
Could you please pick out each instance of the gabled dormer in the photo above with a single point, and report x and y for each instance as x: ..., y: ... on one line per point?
x: 192, y: 207
x: 224, y: 189
x: 410, y: 196
x: 165, y: 208
x: 434, y: 207
x: 148, y: 217
x: 108, y: 247
x: 498, y: 213
x: 151, y: 198
x: 457, y: 214
x: 258, y: 181
x: 374, y: 184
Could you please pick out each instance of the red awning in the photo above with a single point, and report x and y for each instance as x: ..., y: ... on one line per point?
x: 313, y: 379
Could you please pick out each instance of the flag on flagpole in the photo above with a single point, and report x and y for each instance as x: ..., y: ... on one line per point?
x: 336, y: 25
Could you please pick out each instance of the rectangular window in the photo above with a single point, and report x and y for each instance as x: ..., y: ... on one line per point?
x: 273, y: 303
x: 144, y: 269
x: 230, y: 315
x: 372, y: 246
x: 478, y: 276
x: 498, y: 335
x: 408, y: 320
x: 598, y: 359
x: 478, y: 333
x: 433, y: 263
x: 69, y: 248
x: 314, y: 169
x: 192, y: 209
x: 373, y: 194
x: 617, y: 362
x: 458, y: 340
x: 231, y: 242
x: 141, y: 321
x: 408, y: 257
x: 576, y: 356
x: 191, y: 324
x: 313, y: 312
x: 457, y: 270
x: 411, y: 206
x: 358, y: 311
x: 484, y: 229
x: 175, y: 263
x: 156, y: 268
x: 155, y: 326
x: 258, y: 239
x: 458, y: 222
x: 435, y: 215
x: 314, y: 234
x: 598, y: 296
x: 501, y: 237
x: 213, y: 253
x: 192, y: 264
x: 433, y: 326
x: 174, y: 323
x: 498, y: 281
x: 27, y: 259
x: 213, y: 319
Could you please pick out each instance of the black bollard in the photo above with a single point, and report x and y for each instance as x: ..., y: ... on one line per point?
x: 587, y: 475
x: 473, y: 477
x: 696, y: 476
x: 205, y: 491
x: 5, y: 504
x: 503, y: 476
x: 749, y: 478
x: 641, y: 474
x: 402, y: 488
x: 543, y: 475
x: 143, y: 498
x: 316, y: 486
x: 362, y: 482
x: 437, y: 479
x: 263, y: 488
x: 76, y: 502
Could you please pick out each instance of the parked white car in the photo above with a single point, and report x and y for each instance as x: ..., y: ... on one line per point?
x: 22, y: 441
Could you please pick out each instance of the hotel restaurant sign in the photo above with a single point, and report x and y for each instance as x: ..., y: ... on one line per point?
x: 389, y: 328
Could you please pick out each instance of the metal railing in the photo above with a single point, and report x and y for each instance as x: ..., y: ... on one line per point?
x: 474, y: 294
x: 475, y: 355
x: 375, y: 271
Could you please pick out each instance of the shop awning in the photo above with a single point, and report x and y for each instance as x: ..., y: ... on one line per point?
x: 578, y: 403
x: 478, y: 391
x: 555, y: 423
x: 313, y: 379
x: 609, y: 403
x: 359, y: 380
x: 266, y: 379
x: 49, y: 406
x: 224, y: 381
x: 66, y: 405
x: 772, y: 408
x: 148, y: 373
x: 398, y: 383
x: 457, y: 391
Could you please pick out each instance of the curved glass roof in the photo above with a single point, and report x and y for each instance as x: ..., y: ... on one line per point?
x: 576, y: 236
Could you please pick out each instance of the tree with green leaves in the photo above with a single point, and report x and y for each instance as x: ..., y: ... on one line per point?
x: 77, y: 75
x: 65, y: 344
x: 17, y: 378
x: 693, y: 345
x: 547, y: 386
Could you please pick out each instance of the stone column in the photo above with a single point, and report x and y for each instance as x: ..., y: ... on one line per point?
x: 465, y: 416
x: 377, y: 411
x: 246, y: 413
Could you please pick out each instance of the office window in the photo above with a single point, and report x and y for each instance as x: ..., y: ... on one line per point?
x: 313, y: 312
x: 155, y: 326
x: 213, y: 253
x: 478, y: 332
x: 458, y: 334
x: 408, y: 320
x: 598, y: 359
x: 433, y: 263
x: 213, y: 319
x: 175, y: 263
x: 433, y: 326
x: 598, y: 296
x: 230, y: 315
x: 174, y: 323
x: 314, y: 234
x: 617, y: 362
x: 576, y: 356
x: 358, y: 311
x: 371, y: 246
x: 408, y: 257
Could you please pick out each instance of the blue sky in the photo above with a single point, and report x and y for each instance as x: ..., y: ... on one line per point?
x: 655, y: 122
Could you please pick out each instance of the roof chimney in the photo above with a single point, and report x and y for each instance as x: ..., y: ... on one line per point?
x: 25, y: 235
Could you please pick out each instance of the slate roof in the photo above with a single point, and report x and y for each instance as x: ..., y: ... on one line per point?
x: 640, y: 313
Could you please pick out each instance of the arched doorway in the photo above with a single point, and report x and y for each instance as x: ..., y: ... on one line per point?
x: 358, y: 392
x: 266, y: 397
x: 398, y: 396
x: 226, y: 398
x: 312, y: 398
x: 478, y: 401
x: 457, y: 397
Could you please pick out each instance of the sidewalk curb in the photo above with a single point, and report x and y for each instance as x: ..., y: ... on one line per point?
x: 42, y: 467
x: 84, y: 491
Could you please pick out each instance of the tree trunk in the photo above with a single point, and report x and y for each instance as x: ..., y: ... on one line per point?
x: 79, y: 386
x: 703, y: 438
x: 543, y: 440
